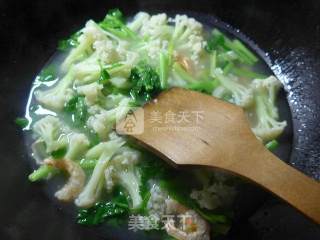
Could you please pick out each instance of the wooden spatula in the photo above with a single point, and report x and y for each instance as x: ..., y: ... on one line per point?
x: 190, y: 128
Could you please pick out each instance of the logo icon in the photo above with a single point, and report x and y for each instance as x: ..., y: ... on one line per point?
x: 130, y: 121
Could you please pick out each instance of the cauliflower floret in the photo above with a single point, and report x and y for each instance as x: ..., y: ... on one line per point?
x: 195, y: 45
x: 56, y: 97
x: 154, y: 47
x: 108, y: 176
x: 188, y: 38
x: 186, y: 25
x: 103, y: 122
x: 96, y: 151
x: 87, y: 71
x: 92, y: 190
x: 157, y: 203
x: 92, y: 30
x: 157, y: 33
x: 122, y: 48
x: 113, y: 100
x: 78, y: 145
x: 267, y: 126
x: 131, y: 59
x: 241, y: 95
x: 91, y: 91
x: 269, y: 86
x: 120, y: 82
x: 138, y: 21
x: 50, y: 130
x: 121, y: 170
x: 90, y: 33
x: 106, y: 50
x: 126, y: 156
x: 155, y: 26
x: 213, y: 196
x: 39, y: 152
x: 95, y: 109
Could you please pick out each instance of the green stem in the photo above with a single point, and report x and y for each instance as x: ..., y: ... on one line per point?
x: 42, y: 173
x: 183, y: 73
x: 163, y: 70
x: 88, y: 163
x: 272, y: 145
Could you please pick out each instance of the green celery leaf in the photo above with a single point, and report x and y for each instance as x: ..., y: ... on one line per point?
x: 203, y: 86
x: 42, y: 173
x: 48, y: 74
x: 99, y: 213
x: 114, y: 23
x: 69, y: 43
x: 104, y: 211
x: 77, y: 110
x: 22, y: 122
x: 71, y: 105
x: 216, y: 39
x: 104, y: 77
x: 81, y: 113
x: 116, y: 13
x: 145, y: 81
x: 59, y: 153
x: 272, y: 145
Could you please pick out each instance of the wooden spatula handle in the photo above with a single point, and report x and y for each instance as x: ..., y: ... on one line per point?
x: 297, y: 189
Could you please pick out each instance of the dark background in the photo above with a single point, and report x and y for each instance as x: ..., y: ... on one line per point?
x: 29, y: 30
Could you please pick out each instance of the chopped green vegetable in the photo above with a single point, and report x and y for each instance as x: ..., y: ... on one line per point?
x: 59, y: 153
x: 42, y: 172
x: 228, y: 68
x: 81, y: 110
x: 203, y: 86
x: 213, y: 62
x: 145, y: 82
x: 22, y: 122
x: 211, y: 217
x: 241, y: 49
x: 243, y: 72
x: 216, y: 40
x: 114, y: 23
x: 48, y: 74
x: 99, y: 213
x: 88, y: 163
x: 77, y: 107
x: 94, y: 138
x: 71, y: 42
x: 163, y: 70
x: 182, y: 73
x: 219, y: 41
x: 71, y: 105
x: 108, y: 87
x: 272, y: 145
x: 103, y: 211
x: 104, y: 77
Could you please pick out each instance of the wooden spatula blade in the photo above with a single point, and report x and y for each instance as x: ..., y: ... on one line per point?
x: 206, y: 131
x: 212, y: 128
